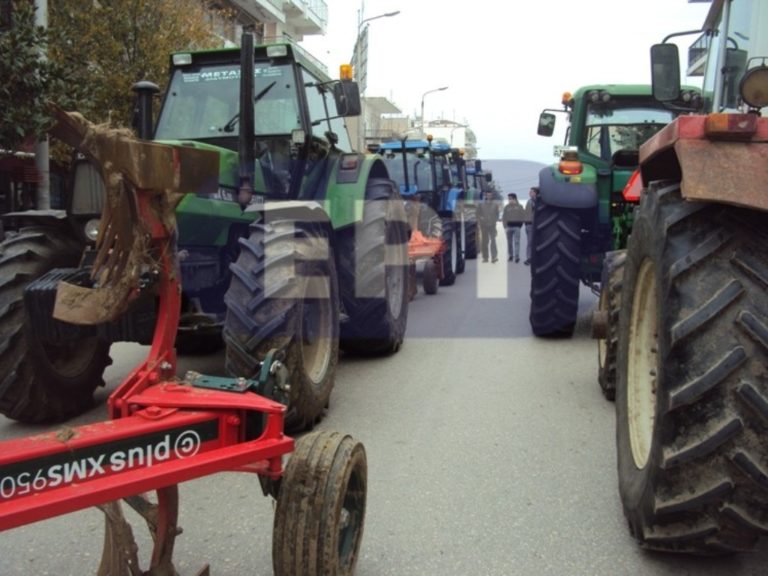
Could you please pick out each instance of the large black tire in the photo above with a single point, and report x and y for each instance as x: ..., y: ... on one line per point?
x: 320, y: 513
x: 450, y: 256
x: 691, y: 395
x: 555, y: 271
x: 42, y: 381
x: 460, y: 246
x: 470, y: 228
x: 439, y: 227
x: 284, y: 295
x: 373, y: 274
x: 194, y: 344
x: 429, y: 277
x: 610, y: 305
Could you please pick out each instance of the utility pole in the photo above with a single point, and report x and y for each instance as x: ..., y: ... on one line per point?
x: 360, y: 68
x: 42, y: 152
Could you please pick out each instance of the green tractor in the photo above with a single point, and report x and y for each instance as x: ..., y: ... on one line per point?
x: 581, y: 213
x: 299, y: 246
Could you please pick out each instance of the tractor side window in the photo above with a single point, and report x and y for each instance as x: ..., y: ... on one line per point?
x: 422, y: 174
x: 440, y: 174
x: 318, y: 97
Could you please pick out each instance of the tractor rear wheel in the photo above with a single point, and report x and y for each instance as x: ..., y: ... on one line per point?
x: 461, y: 243
x: 320, y: 511
x: 284, y: 295
x: 691, y: 394
x: 42, y: 381
x: 610, y: 305
x: 555, y: 271
x: 450, y: 256
x: 470, y: 230
x: 373, y: 274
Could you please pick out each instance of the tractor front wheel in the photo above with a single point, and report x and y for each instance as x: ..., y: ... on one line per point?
x: 373, y: 274
x: 320, y: 510
x: 284, y: 295
x: 555, y: 271
x: 610, y: 305
x: 691, y: 392
x: 42, y: 380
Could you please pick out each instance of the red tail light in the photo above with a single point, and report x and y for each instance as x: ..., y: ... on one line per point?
x: 631, y: 192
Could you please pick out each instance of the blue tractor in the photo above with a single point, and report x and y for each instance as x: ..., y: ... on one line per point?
x: 422, y: 171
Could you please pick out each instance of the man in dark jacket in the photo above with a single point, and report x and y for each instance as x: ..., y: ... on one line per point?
x: 513, y: 218
x: 487, y: 218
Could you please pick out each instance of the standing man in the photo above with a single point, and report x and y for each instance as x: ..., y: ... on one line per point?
x: 513, y: 217
x: 487, y: 218
x: 530, y: 207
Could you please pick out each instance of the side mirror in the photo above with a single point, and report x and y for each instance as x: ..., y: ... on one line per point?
x: 665, y: 72
x: 346, y: 93
x: 546, y: 124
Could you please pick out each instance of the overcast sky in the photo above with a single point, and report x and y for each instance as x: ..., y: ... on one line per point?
x: 503, y: 61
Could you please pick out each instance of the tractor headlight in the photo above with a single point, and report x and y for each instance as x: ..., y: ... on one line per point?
x: 92, y: 229
x: 754, y: 86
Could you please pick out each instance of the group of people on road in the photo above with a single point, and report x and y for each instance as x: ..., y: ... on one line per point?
x: 514, y: 216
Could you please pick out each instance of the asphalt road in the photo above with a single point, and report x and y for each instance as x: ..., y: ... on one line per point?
x: 490, y: 453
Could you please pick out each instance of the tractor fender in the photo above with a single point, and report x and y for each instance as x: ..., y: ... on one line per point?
x: 38, y: 216
x: 714, y: 171
x: 566, y: 193
x: 449, y: 200
x: 53, y: 218
x: 344, y: 195
x: 298, y: 210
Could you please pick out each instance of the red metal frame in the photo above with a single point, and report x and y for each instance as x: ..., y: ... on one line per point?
x: 162, y: 430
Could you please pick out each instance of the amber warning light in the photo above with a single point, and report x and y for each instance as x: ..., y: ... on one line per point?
x: 570, y: 165
x: 345, y: 72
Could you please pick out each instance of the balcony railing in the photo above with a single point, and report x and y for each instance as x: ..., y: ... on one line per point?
x: 317, y: 10
x: 697, y: 54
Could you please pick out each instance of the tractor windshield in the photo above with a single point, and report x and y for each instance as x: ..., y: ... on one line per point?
x: 204, y: 103
x: 419, y: 173
x: 610, y: 129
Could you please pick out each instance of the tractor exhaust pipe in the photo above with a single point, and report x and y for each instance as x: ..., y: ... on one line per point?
x: 247, y: 138
x: 142, y: 116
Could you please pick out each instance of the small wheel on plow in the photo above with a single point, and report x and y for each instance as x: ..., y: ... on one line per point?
x: 430, y: 279
x: 321, y: 507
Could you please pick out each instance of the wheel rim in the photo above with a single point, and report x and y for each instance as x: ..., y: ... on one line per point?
x: 642, y: 365
x: 316, y: 331
x: 351, y: 518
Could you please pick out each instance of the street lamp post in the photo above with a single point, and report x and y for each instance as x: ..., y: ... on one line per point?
x: 422, y: 103
x: 358, y: 69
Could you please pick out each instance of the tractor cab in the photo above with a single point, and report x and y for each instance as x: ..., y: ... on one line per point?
x: 295, y: 117
x: 422, y: 169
